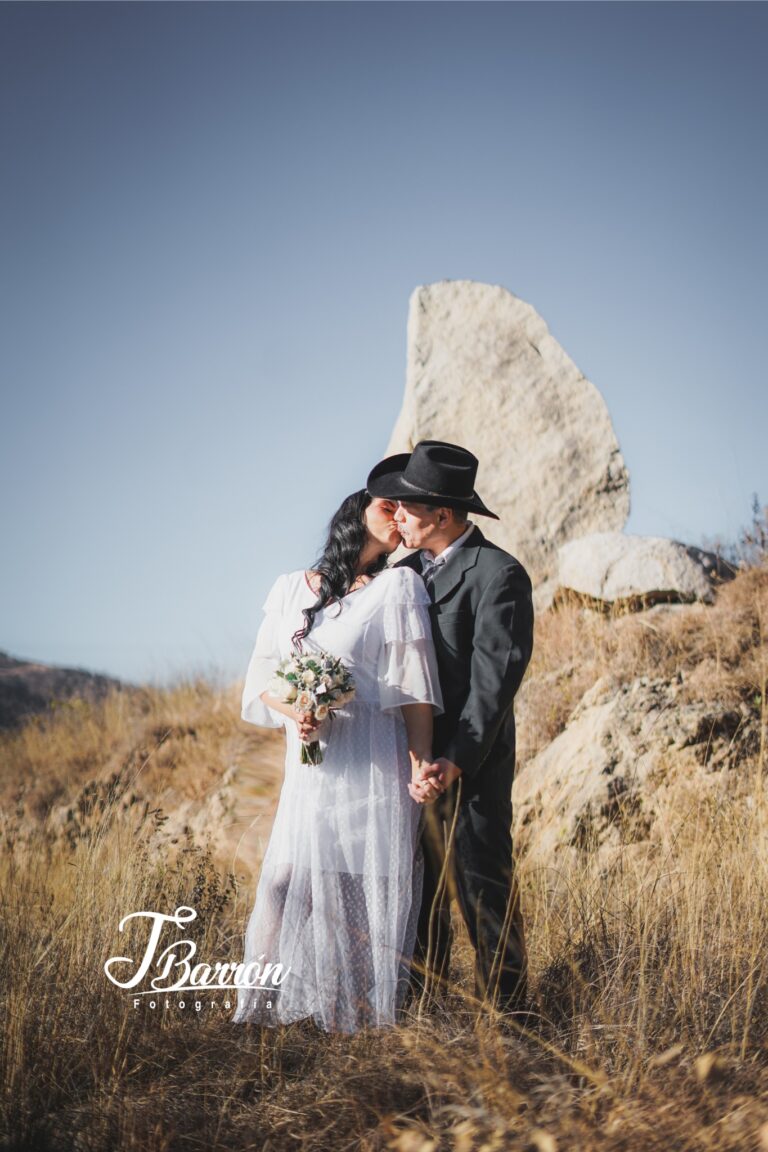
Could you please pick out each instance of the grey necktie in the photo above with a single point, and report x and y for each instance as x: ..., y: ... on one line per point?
x: 430, y: 570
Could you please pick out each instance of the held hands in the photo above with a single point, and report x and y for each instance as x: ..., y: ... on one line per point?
x: 430, y: 779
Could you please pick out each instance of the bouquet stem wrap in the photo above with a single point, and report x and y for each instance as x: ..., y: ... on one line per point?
x: 311, y: 753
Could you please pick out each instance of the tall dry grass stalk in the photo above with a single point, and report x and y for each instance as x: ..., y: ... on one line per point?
x: 650, y: 1028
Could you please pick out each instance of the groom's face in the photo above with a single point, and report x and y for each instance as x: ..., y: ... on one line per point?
x: 418, y: 524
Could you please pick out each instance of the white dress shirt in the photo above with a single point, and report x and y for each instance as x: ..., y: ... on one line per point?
x: 431, y: 562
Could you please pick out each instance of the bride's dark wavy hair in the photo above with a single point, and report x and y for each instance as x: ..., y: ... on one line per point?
x: 337, y: 565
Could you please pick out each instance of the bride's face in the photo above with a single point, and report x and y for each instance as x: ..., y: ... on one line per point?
x: 379, y: 520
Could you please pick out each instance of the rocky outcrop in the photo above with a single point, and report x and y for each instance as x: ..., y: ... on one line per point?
x: 614, y: 569
x: 617, y: 771
x: 28, y: 688
x: 485, y: 372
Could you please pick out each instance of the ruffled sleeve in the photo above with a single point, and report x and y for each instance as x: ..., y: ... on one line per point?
x: 407, y: 668
x: 264, y: 660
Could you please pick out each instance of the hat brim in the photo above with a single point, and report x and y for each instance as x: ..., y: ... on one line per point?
x: 386, y: 482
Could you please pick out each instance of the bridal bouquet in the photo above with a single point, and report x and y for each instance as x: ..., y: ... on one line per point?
x: 313, y: 682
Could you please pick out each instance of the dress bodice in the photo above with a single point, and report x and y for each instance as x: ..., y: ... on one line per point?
x: 381, y: 632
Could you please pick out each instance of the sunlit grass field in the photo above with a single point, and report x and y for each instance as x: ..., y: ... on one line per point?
x: 650, y: 978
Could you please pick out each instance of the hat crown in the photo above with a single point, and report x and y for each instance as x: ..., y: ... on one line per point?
x: 441, y: 469
x: 435, y: 472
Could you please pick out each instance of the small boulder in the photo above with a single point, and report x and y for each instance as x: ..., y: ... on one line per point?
x: 608, y: 569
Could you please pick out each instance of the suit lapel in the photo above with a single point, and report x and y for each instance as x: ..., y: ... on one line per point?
x: 452, y: 573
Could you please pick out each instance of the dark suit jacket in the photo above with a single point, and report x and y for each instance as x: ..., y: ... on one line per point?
x: 482, y: 624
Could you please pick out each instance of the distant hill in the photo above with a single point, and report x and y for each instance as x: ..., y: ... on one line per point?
x: 28, y: 688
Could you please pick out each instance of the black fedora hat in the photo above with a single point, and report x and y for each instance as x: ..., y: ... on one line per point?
x: 434, y: 473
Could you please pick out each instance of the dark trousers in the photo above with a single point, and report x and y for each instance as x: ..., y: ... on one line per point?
x: 478, y: 870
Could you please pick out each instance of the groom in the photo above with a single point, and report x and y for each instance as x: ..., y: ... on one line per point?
x: 482, y: 624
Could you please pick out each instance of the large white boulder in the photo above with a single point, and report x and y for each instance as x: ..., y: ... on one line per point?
x: 485, y: 372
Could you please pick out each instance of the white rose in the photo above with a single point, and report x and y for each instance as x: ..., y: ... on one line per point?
x: 304, y: 702
x: 321, y: 711
x: 309, y: 676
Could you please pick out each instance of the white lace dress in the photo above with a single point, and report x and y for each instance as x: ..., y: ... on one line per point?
x: 340, y: 885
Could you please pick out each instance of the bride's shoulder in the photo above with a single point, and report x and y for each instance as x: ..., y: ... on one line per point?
x: 288, y: 578
x: 284, y: 585
x: 294, y: 581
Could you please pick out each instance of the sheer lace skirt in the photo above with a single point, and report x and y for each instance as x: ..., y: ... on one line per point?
x: 338, y: 896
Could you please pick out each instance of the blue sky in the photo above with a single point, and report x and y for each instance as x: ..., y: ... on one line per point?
x: 213, y: 216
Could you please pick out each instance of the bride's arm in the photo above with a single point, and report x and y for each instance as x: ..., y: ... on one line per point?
x: 418, y: 724
x: 305, y: 722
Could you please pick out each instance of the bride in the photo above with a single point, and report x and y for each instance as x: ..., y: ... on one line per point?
x: 338, y: 896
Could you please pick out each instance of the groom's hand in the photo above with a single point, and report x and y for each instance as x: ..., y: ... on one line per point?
x: 448, y: 772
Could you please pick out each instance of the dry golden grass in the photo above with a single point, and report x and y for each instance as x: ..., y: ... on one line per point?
x: 719, y: 650
x: 651, y: 981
